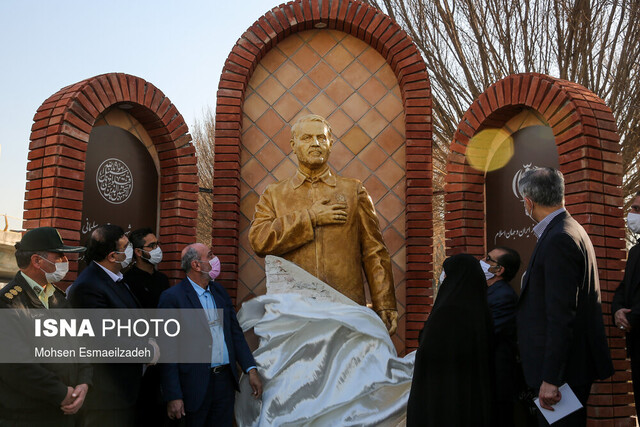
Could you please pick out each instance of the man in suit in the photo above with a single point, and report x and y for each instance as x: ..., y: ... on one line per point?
x: 39, y: 394
x: 205, y: 392
x: 500, y: 266
x: 626, y: 301
x: 100, y: 285
x: 560, y: 326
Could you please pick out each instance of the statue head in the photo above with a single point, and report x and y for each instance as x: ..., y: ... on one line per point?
x: 311, y: 141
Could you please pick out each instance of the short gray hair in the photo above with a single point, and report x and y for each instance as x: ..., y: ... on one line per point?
x: 189, y: 256
x: 544, y: 186
x: 310, y: 118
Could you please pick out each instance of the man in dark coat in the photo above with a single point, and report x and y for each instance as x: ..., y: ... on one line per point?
x: 626, y: 301
x: 146, y: 284
x: 205, y: 392
x: 39, y: 394
x: 500, y: 266
x: 560, y: 326
x: 100, y: 285
x: 144, y: 279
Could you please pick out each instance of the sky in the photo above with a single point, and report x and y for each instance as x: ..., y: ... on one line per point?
x: 180, y: 47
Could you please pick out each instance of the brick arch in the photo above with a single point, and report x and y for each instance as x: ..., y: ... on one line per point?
x: 589, y: 156
x: 57, y: 152
x: 379, y: 31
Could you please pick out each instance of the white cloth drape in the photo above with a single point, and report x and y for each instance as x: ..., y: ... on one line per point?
x: 323, y: 363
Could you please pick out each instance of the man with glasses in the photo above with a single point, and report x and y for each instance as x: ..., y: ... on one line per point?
x: 144, y: 279
x: 500, y: 266
x: 147, y: 283
x: 100, y: 285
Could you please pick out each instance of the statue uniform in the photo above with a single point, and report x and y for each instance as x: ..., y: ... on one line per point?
x: 283, y: 225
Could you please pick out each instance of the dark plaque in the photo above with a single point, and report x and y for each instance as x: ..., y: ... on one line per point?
x: 507, y: 225
x: 120, y: 184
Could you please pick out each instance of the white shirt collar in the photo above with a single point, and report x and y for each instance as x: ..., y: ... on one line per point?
x: 115, y: 277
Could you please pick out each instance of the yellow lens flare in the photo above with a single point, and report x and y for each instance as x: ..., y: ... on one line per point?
x: 490, y: 150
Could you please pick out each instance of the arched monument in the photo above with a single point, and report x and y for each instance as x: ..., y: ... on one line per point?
x: 113, y: 148
x: 352, y: 64
x: 536, y: 120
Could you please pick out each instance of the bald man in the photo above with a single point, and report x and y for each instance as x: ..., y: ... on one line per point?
x: 204, y: 393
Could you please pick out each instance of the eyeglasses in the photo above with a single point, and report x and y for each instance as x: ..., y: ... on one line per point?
x: 152, y: 245
x: 489, y: 259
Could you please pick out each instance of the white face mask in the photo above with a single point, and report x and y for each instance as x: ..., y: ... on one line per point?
x: 633, y: 222
x: 128, y: 252
x: 62, y: 268
x: 155, y: 256
x: 485, y: 269
x: 529, y: 214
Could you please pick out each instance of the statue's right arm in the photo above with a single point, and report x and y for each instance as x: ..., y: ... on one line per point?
x: 276, y: 235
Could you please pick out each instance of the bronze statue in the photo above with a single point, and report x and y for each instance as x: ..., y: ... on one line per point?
x: 326, y: 224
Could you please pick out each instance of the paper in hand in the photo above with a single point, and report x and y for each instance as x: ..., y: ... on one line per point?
x: 567, y: 405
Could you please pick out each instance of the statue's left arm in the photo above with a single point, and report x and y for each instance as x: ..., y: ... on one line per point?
x: 375, y: 256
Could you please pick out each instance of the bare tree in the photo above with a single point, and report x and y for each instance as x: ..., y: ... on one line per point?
x: 470, y: 44
x: 203, y: 136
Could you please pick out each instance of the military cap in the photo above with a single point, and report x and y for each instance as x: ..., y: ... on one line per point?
x: 45, y: 239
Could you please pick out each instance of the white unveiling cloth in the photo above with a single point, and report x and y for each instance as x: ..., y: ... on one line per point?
x: 324, y: 360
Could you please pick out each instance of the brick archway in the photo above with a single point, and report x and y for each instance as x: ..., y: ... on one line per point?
x: 589, y: 156
x: 57, y: 151
x: 380, y: 32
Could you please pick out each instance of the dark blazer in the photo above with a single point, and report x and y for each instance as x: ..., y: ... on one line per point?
x: 189, y: 381
x: 628, y: 293
x: 116, y: 385
x: 503, y: 304
x: 35, y: 389
x: 560, y: 326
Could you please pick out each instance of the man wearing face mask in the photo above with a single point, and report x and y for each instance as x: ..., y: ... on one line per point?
x: 560, y: 326
x: 101, y: 285
x: 500, y: 266
x: 40, y: 394
x: 204, y: 393
x: 626, y: 301
x: 147, y: 283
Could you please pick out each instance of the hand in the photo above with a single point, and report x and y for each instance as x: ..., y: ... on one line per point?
x: 79, y: 394
x: 390, y: 319
x: 621, y: 319
x: 549, y: 395
x: 175, y: 409
x: 68, y: 399
x: 328, y: 213
x: 256, y: 383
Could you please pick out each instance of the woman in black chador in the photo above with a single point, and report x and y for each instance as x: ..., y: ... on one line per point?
x: 452, y: 376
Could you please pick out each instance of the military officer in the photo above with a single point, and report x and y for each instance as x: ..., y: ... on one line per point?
x: 40, y: 394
